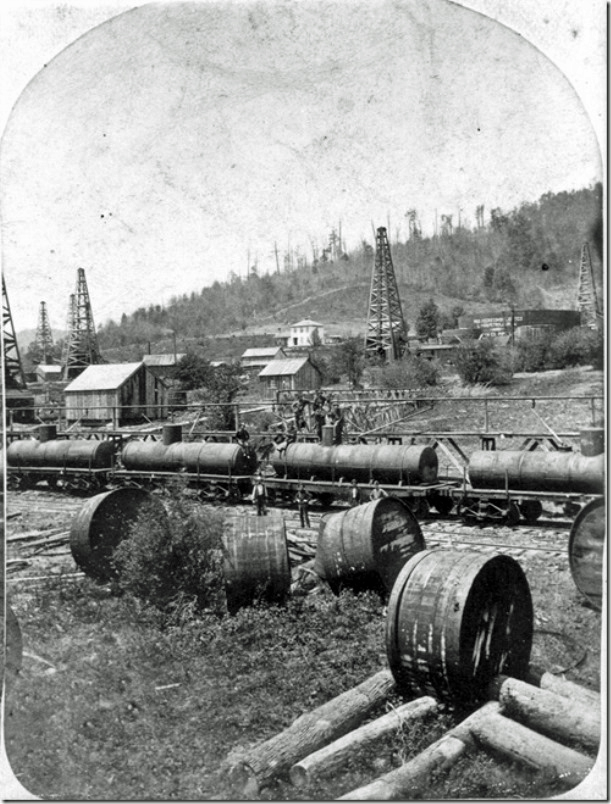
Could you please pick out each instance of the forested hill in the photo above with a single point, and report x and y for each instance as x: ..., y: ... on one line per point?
x: 528, y: 256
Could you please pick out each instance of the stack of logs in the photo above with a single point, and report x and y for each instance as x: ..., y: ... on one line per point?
x: 527, y: 723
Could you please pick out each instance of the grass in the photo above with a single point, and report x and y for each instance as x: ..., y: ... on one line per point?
x: 126, y: 706
x: 117, y: 701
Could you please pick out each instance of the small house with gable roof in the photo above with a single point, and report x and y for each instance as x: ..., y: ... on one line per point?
x: 296, y: 374
x: 115, y: 392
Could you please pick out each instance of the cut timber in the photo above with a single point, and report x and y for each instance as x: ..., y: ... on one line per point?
x: 332, y: 756
x: 520, y: 744
x: 568, y: 689
x: 547, y: 712
x: 311, y: 731
x: 414, y: 776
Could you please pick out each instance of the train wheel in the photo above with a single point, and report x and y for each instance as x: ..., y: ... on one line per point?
x: 419, y: 506
x: 465, y: 509
x: 531, y: 510
x: 512, y: 516
x: 442, y: 504
x: 571, y: 509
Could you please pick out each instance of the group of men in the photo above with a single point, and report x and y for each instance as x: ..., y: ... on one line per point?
x: 303, y: 498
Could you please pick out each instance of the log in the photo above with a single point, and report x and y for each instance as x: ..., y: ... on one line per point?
x: 547, y: 712
x: 310, y: 732
x: 413, y: 776
x: 520, y: 744
x: 561, y: 686
x: 333, y: 756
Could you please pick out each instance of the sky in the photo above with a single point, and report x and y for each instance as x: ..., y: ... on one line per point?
x: 159, y: 146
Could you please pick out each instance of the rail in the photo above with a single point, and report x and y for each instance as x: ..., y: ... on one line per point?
x: 152, y: 414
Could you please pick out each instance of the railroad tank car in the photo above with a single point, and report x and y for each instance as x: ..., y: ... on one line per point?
x: 411, y: 465
x: 209, y: 458
x: 537, y: 471
x: 65, y: 453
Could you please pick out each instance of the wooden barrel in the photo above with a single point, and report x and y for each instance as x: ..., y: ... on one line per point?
x: 103, y: 522
x: 592, y: 441
x: 586, y: 550
x: 171, y: 434
x: 366, y: 546
x: 256, y: 560
x: 47, y: 432
x: 455, y: 620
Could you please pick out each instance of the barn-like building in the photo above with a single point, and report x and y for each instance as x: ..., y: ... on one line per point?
x: 115, y: 392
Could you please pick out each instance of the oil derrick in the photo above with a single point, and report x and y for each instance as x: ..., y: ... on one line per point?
x: 44, y: 338
x: 386, y: 329
x: 82, y: 345
x: 587, y: 302
x: 14, y: 376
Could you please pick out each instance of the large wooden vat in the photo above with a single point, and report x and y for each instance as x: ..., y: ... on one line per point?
x: 103, y: 522
x: 387, y: 463
x: 586, y: 551
x: 256, y: 560
x: 537, y: 471
x: 212, y: 458
x: 455, y: 620
x: 67, y: 453
x: 366, y: 546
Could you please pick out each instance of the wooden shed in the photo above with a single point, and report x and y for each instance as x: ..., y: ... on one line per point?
x: 298, y: 374
x: 116, y: 392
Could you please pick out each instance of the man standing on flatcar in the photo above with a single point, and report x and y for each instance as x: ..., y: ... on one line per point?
x: 377, y: 492
x: 355, y: 494
x: 259, y: 496
x: 302, y: 498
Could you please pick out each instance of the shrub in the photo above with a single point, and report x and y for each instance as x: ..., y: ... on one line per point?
x: 578, y: 347
x: 533, y: 355
x: 176, y: 568
x: 411, y: 372
x: 483, y: 362
x: 556, y: 350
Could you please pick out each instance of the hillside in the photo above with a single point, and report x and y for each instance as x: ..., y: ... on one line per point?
x: 527, y: 257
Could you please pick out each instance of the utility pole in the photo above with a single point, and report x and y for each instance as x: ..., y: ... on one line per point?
x: 44, y: 338
x: 14, y: 375
x: 587, y: 301
x: 386, y: 329
x: 82, y: 349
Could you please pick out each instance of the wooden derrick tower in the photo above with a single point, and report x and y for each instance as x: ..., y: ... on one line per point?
x: 44, y: 338
x: 386, y: 330
x: 14, y: 376
x: 82, y: 344
x: 587, y: 301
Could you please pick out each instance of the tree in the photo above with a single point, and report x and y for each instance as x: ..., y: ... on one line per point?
x: 483, y: 362
x: 427, y: 323
x: 349, y: 359
x: 218, y: 385
x: 193, y: 372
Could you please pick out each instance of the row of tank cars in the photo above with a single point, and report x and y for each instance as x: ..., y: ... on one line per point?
x: 498, y: 484
x: 504, y: 486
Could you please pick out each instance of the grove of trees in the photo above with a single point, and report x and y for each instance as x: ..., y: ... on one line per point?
x: 519, y: 257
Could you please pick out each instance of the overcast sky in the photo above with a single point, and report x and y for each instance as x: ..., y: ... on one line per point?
x: 157, y: 147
